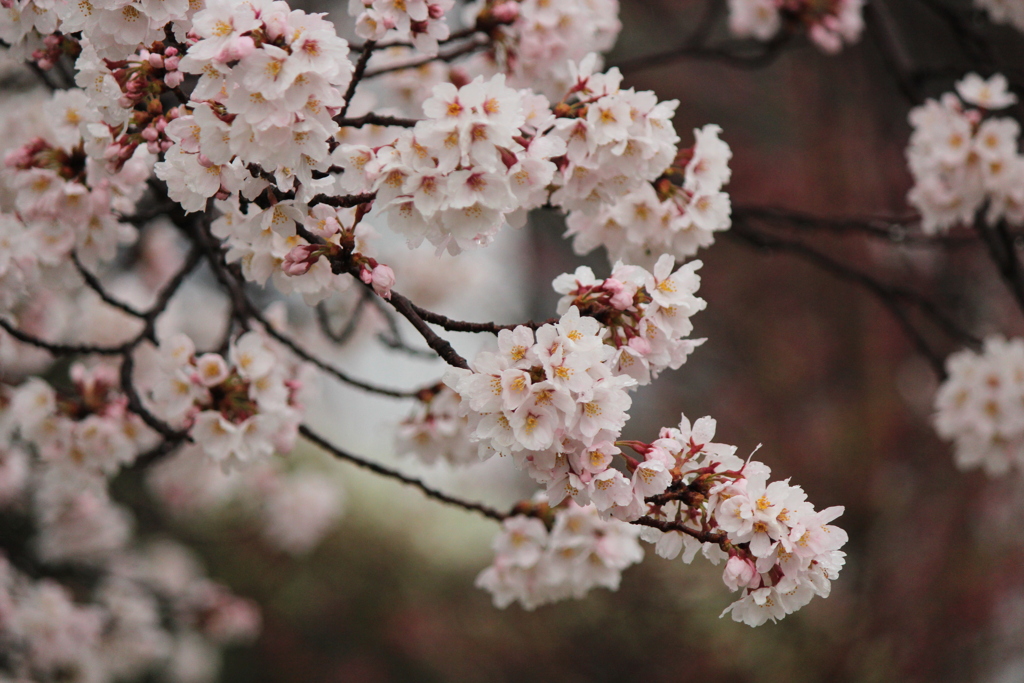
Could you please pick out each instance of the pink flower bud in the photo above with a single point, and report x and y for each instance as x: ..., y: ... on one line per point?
x: 640, y: 345
x: 506, y: 12
x: 240, y: 48
x: 622, y: 296
x: 174, y: 79
x: 300, y: 259
x: 171, y: 63
x: 383, y: 279
x: 739, y: 573
x: 508, y: 157
x: 170, y: 52
x: 150, y: 134
x: 156, y: 61
x: 436, y: 11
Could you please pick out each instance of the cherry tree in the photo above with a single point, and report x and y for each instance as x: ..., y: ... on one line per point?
x: 204, y: 203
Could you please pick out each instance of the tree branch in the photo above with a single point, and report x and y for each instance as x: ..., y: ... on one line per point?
x: 484, y: 510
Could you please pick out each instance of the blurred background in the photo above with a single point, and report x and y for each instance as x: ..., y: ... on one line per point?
x: 809, y: 365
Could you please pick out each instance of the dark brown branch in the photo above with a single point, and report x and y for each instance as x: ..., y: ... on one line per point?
x: 889, y: 296
x: 894, y: 229
x: 329, y: 369
x: 484, y: 510
x: 734, y: 54
x: 342, y: 337
x: 717, y: 538
x: 192, y: 261
x: 345, y: 201
x: 458, y: 35
x: 1003, y: 251
x: 462, y: 326
x: 357, y: 76
x: 393, y: 337
x: 95, y: 285
x: 440, y: 346
x: 451, y: 55
x: 63, y: 349
x: 374, y: 120
x: 135, y: 404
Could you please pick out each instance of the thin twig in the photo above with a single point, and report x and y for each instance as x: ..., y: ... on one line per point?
x: 95, y: 285
x: 484, y: 510
x: 62, y: 349
x: 342, y: 337
x: 440, y: 345
x: 462, y: 326
x: 329, y: 369
x: 375, y: 120
x: 666, y: 526
x: 357, y: 76
x: 448, y: 56
x: 889, y: 296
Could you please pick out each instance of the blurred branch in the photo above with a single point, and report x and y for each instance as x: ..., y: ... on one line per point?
x: 324, y: 320
x: 739, y: 54
x: 473, y: 45
x: 95, y: 285
x: 357, y: 76
x: 393, y: 337
x: 1003, y: 251
x: 318, y: 440
x: 374, y: 120
x: 663, y: 525
x: 895, y: 229
x: 891, y: 297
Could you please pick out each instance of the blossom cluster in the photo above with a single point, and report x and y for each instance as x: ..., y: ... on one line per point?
x: 150, y: 607
x: 963, y: 160
x: 980, y: 406
x: 114, y: 29
x: 88, y: 429
x: 536, y: 563
x: 533, y: 41
x: 236, y: 110
x: 487, y: 153
x: 64, y: 200
x: 293, y: 508
x: 1003, y: 12
x: 556, y: 398
x: 454, y: 177
x: 646, y: 314
x: 153, y: 611
x: 268, y: 244
x: 77, y: 439
x: 419, y: 21
x: 541, y: 388
x: 270, y: 82
x: 436, y: 431
x: 779, y: 551
x: 677, y: 214
x: 829, y: 24
x: 238, y: 410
